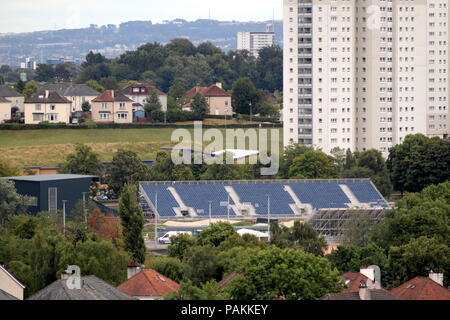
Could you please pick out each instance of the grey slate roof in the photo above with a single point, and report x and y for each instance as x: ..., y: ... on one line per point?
x: 53, y: 97
x: 92, y: 288
x: 6, y: 296
x: 4, y: 100
x: 6, y: 91
x: 72, y: 89
x: 380, y: 295
x: 49, y: 177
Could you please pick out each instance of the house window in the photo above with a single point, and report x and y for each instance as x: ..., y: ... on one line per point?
x: 38, y: 117
x: 104, y: 116
x: 136, y: 90
x: 52, y: 199
x: 52, y: 117
x: 38, y: 107
x: 52, y: 107
x: 122, y: 105
x: 122, y: 116
x: 104, y: 106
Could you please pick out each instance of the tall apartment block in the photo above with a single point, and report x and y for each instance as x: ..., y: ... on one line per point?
x: 364, y: 74
x: 255, y: 41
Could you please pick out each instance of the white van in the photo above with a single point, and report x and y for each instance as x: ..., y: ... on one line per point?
x: 165, y: 239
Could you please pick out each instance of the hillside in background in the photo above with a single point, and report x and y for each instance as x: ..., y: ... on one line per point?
x: 111, y: 40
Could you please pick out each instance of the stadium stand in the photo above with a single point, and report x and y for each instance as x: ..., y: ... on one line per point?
x: 191, y: 199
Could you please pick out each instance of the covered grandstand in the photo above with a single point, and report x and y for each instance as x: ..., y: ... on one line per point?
x: 253, y: 199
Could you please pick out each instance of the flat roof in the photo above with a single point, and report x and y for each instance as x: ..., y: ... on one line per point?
x: 50, y: 177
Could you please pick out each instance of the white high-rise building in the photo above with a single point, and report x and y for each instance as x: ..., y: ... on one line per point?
x: 255, y: 41
x: 364, y: 74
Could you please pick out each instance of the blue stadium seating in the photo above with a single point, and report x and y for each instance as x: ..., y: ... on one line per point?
x: 166, y: 202
x: 256, y: 194
x: 365, y: 192
x: 197, y: 196
x: 321, y: 195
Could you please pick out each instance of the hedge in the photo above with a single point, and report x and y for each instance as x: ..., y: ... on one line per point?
x: 124, y: 126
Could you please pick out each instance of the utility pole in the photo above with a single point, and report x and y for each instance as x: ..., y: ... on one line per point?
x: 156, y: 218
x: 268, y: 215
x: 251, y: 112
x: 210, y: 220
x: 84, y: 207
x: 64, y: 216
x: 228, y: 208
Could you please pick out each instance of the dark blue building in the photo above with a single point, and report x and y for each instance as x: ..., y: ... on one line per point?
x: 49, y: 191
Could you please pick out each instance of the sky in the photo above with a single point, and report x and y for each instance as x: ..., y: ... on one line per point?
x: 36, y: 15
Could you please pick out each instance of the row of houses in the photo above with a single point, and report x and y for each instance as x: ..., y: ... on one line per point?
x: 56, y: 103
x: 147, y: 284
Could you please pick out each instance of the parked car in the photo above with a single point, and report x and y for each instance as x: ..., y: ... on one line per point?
x: 165, y: 239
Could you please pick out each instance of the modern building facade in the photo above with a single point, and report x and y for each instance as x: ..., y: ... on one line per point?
x: 255, y: 41
x: 363, y: 75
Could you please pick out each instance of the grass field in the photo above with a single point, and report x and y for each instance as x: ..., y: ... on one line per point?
x: 51, y: 147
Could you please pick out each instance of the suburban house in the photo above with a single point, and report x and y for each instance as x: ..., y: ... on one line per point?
x: 10, y: 287
x: 147, y: 284
x: 90, y: 288
x: 50, y: 192
x: 17, y: 99
x: 5, y: 109
x: 76, y: 93
x: 112, y: 107
x: 139, y: 93
x: 422, y: 288
x: 218, y: 100
x: 364, y: 293
x: 47, y: 106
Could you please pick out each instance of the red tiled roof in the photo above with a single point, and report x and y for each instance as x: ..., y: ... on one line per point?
x: 212, y: 91
x: 148, y: 87
x: 421, y: 288
x: 353, y: 280
x: 148, y: 283
x: 112, y: 96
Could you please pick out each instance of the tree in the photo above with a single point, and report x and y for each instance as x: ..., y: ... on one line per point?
x: 290, y: 153
x: 182, y: 47
x: 269, y: 66
x: 86, y: 106
x: 349, y: 258
x: 169, y: 267
x: 95, y: 85
x: 285, y: 273
x: 84, y: 161
x: 162, y: 168
x: 301, y: 236
x: 313, y: 165
x: 4, y: 69
x: 216, y: 234
x: 45, y: 72
x: 202, y: 265
x: 339, y: 156
x: 419, y: 162
x: 356, y: 230
x: 208, y: 49
x: 2, y: 80
x: 30, y: 88
x: 126, y: 167
x: 180, y: 245
x: 7, y: 170
x: 20, y: 86
x: 93, y: 59
x: 11, y: 203
x: 208, y: 291
x: 132, y: 221
x: 182, y: 173
x: 152, y: 103
x: 425, y: 214
x: 417, y: 258
x: 200, y: 106
x: 245, y: 96
x: 101, y: 259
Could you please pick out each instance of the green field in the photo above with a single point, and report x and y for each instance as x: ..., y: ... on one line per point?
x: 51, y: 147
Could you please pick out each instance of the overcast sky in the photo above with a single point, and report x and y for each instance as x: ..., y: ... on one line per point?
x: 33, y: 15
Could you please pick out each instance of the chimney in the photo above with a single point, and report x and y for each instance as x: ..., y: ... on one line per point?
x: 47, y: 93
x: 437, y: 277
x: 112, y: 94
x: 219, y: 84
x: 364, y: 291
x: 197, y: 89
x: 133, y: 269
x: 374, y: 274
